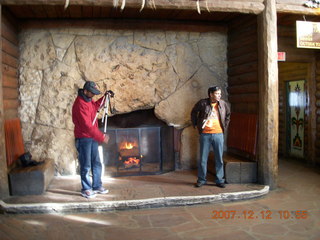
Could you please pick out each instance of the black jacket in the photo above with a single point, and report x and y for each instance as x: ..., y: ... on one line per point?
x: 201, y: 110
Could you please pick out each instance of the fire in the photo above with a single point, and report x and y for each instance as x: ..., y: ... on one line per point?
x: 129, y: 153
x: 128, y: 145
x: 132, y: 161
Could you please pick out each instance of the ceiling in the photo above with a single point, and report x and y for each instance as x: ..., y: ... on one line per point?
x: 36, y: 12
x: 97, y: 12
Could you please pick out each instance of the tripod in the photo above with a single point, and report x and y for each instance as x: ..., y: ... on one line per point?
x: 106, y: 104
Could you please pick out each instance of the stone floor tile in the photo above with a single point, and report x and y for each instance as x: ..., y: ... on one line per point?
x: 270, y: 229
x: 169, y: 220
x: 185, y: 227
x: 231, y: 235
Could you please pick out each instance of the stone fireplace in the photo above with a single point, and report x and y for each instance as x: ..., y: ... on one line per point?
x: 166, y: 70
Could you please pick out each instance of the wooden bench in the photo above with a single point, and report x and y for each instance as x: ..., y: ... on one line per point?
x: 240, y: 161
x: 31, y: 180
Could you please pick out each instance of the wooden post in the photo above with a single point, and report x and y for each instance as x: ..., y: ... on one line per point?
x: 268, y: 96
x: 312, y: 117
x: 4, y: 186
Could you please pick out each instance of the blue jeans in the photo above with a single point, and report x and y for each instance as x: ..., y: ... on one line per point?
x: 206, y: 140
x: 89, y: 160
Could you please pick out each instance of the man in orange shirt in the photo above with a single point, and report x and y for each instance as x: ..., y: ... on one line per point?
x: 211, y: 116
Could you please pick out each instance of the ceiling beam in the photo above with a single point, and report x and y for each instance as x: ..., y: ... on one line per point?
x: 240, y: 6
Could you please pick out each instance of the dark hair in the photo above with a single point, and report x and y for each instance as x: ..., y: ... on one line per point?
x: 213, y: 89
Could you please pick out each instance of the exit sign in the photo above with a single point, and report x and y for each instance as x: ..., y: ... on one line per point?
x: 281, y: 56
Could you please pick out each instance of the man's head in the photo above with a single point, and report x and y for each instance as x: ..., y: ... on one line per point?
x: 214, y: 93
x: 90, y: 89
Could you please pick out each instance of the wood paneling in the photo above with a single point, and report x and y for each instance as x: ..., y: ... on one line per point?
x: 243, y: 133
x: 243, y: 65
x: 14, y: 141
x: 9, y: 81
x: 10, y: 63
x: 317, y: 110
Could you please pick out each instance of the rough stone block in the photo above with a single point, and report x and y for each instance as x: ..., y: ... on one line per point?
x: 248, y: 172
x: 32, y: 180
x: 232, y: 172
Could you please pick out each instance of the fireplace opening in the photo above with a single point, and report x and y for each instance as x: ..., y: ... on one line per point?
x: 140, y: 144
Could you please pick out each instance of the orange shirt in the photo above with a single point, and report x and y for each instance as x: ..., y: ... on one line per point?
x: 213, y: 123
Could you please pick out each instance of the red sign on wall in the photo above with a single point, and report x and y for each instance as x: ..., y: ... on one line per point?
x: 281, y: 56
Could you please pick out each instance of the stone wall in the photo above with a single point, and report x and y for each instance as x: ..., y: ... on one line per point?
x: 165, y: 70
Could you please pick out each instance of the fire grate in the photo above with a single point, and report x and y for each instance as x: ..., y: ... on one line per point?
x: 139, y: 151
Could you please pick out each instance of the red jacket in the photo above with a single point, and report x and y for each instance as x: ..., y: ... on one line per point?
x: 83, y: 114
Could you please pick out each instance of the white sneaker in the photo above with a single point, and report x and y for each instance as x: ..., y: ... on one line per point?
x: 101, y: 190
x: 88, y: 194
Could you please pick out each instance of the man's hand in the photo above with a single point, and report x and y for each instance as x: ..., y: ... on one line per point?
x: 106, y: 138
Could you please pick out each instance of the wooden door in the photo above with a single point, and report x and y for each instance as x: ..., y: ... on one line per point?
x: 293, y: 140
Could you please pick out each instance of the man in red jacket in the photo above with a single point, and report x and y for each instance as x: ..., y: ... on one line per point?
x: 87, y: 138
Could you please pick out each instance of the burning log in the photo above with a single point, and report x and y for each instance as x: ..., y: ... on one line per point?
x: 129, y: 149
x: 129, y: 152
x: 131, y: 162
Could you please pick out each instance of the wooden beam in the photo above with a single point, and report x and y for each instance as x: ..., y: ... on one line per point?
x: 247, y: 98
x: 10, y: 93
x: 189, y: 26
x: 9, y: 60
x: 268, y: 96
x: 243, y: 78
x: 10, y: 48
x: 243, y: 68
x: 296, y: 9
x: 10, y: 114
x: 246, y: 57
x: 10, y: 104
x: 241, y: 6
x: 4, y: 186
x: 244, y: 88
x: 9, y: 81
x: 10, y: 71
x: 312, y: 127
x: 9, y: 34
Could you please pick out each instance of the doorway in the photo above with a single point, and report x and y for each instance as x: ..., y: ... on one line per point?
x: 293, y: 94
x: 295, y: 120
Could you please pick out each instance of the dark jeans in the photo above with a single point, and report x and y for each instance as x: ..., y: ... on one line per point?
x: 89, y: 160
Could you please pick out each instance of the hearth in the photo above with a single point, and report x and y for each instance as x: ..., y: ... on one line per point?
x: 141, y: 150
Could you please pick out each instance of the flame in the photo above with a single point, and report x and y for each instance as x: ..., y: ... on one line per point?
x: 128, y: 145
x: 132, y: 161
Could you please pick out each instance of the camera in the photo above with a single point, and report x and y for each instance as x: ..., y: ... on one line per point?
x: 110, y: 93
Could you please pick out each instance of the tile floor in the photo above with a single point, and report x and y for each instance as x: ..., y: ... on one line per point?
x: 292, y: 211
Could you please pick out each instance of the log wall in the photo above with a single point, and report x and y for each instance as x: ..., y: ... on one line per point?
x: 317, y: 110
x: 10, y: 55
x: 243, y: 65
x: 300, y: 64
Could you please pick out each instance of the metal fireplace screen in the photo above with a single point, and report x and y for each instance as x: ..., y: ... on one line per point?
x: 139, y: 151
